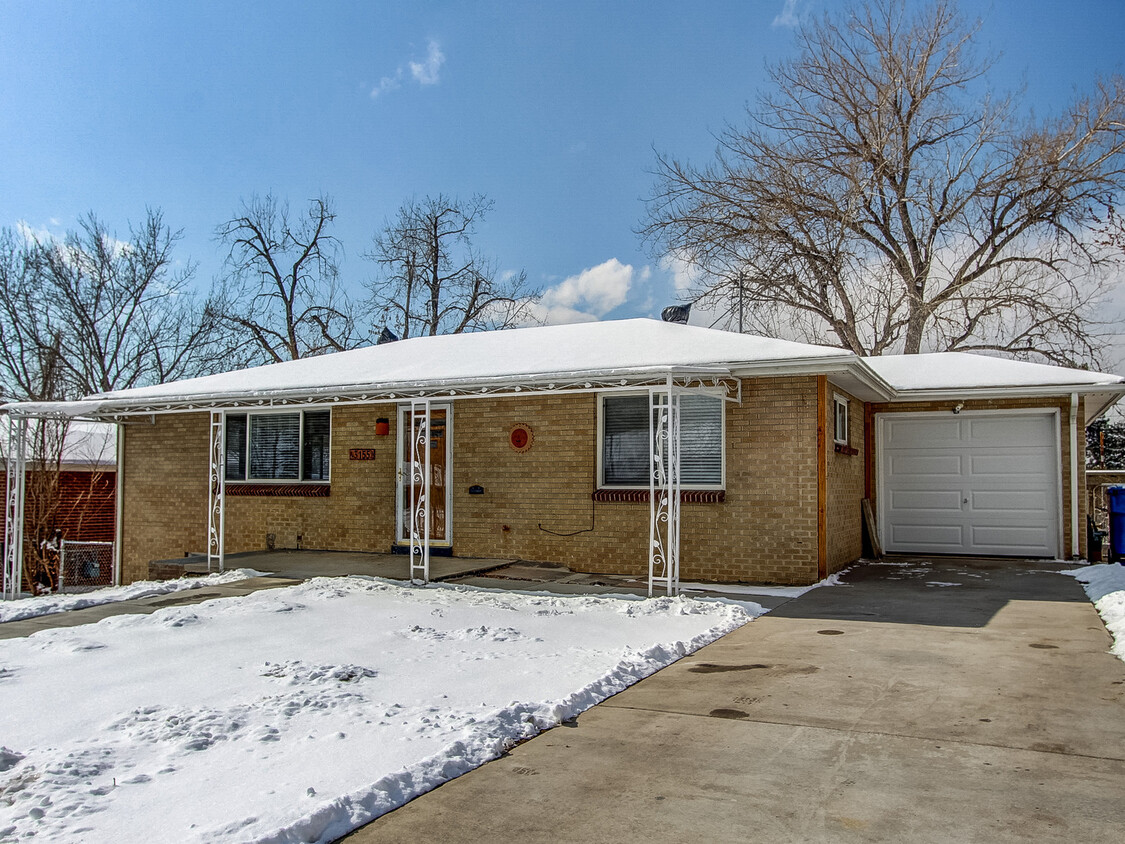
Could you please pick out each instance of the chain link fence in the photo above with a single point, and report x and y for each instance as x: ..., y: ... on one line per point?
x: 85, y: 565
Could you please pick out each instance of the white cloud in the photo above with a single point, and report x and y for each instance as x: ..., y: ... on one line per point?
x: 387, y: 83
x: 426, y: 73
x: 684, y: 275
x: 591, y: 294
x: 788, y: 14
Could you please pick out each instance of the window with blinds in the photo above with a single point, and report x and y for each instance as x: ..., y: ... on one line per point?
x: 625, y: 441
x: 278, y: 446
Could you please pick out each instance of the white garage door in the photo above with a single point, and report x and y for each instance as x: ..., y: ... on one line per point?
x: 970, y: 483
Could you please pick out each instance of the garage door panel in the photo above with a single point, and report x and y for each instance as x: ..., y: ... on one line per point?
x: 1025, y: 539
x: 990, y: 431
x: 1015, y: 464
x: 903, y: 500
x: 910, y: 465
x: 1031, y: 503
x: 971, y: 484
x: 924, y: 433
x: 917, y: 536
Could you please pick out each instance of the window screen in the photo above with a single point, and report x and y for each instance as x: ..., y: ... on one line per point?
x: 314, y: 460
x: 841, y: 427
x: 701, y: 440
x: 274, y: 444
x: 236, y: 447
x: 625, y: 440
x: 625, y: 448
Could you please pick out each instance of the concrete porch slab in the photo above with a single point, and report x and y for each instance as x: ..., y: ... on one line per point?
x: 302, y: 565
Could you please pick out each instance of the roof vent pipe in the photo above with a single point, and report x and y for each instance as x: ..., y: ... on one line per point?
x: 676, y: 313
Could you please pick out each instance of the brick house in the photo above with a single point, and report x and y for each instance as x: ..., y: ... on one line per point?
x: 537, y: 444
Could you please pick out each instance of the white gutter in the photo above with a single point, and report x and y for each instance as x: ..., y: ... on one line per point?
x: 1074, y: 553
x: 1002, y: 392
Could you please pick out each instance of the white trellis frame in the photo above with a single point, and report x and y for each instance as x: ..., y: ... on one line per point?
x: 216, y: 492
x: 14, y: 506
x: 419, y: 480
x: 664, y: 488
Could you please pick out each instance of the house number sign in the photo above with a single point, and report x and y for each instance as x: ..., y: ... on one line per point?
x: 361, y: 454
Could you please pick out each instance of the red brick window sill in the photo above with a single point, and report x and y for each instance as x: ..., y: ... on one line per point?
x: 640, y: 496
x: 280, y: 490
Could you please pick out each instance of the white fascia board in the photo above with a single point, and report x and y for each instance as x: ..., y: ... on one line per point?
x: 1014, y: 392
x: 845, y: 365
x: 82, y: 409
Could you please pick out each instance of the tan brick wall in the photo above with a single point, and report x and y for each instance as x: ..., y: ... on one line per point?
x: 845, y: 485
x: 766, y: 531
x: 164, y: 491
x: 1062, y: 403
x: 358, y: 516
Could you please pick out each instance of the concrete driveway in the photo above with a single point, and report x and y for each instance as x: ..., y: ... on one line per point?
x: 922, y: 701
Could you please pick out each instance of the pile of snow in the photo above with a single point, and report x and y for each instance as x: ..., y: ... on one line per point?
x: 298, y: 714
x: 1105, y: 586
x: 47, y: 604
x: 766, y: 591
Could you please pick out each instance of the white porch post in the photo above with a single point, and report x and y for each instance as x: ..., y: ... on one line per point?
x: 119, y: 503
x: 664, y: 489
x: 14, y: 506
x: 217, y: 487
x: 420, y: 505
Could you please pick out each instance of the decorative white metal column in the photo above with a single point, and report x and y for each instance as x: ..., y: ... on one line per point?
x: 217, y: 487
x: 14, y: 506
x: 664, y: 489
x: 420, y: 504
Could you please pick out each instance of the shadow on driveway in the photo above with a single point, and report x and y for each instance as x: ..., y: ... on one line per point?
x: 939, y: 591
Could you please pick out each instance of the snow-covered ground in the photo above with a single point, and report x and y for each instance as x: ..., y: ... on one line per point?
x: 46, y: 604
x: 1105, y: 585
x: 297, y: 714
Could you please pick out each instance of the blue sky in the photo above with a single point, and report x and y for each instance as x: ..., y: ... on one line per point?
x: 553, y: 109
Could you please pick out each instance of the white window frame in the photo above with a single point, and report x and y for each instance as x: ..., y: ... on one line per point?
x: 301, y: 411
x: 840, y: 402
x: 600, y: 438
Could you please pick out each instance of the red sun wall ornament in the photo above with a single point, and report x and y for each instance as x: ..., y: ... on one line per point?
x: 520, y: 437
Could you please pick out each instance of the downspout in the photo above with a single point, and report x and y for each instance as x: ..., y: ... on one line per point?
x: 1074, y: 553
x: 119, y: 506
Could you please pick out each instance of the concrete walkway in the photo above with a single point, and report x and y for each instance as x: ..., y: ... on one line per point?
x: 923, y: 701
x: 90, y: 615
x: 284, y: 568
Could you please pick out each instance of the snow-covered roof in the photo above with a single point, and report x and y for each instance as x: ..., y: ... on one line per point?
x: 592, y: 355
x: 961, y: 371
x: 88, y: 445
x: 532, y: 355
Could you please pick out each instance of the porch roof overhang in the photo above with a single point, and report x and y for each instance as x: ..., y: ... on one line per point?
x: 110, y: 409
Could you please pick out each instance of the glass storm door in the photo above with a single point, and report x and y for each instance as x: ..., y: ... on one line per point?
x: 439, y: 446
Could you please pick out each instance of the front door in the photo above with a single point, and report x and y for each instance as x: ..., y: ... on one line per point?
x: 440, y: 447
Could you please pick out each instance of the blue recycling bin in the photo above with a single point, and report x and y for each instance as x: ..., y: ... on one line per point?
x: 1115, y: 498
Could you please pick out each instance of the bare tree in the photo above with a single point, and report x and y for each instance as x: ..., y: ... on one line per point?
x: 91, y: 313
x: 85, y: 314
x: 879, y: 199
x: 432, y: 278
x: 282, y: 287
